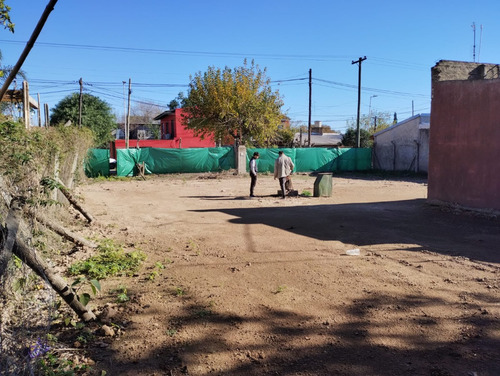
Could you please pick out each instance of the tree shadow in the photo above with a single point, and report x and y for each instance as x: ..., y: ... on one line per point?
x: 273, y: 341
x: 396, y: 222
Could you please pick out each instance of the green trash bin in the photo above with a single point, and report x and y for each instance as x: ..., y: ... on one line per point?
x: 323, y: 185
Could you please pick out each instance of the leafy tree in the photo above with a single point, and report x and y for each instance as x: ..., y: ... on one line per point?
x: 177, y: 102
x: 350, y: 138
x: 238, y: 102
x: 5, y: 16
x: 96, y: 115
x: 367, y: 122
x: 284, y: 138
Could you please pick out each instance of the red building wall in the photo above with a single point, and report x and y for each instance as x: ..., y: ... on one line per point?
x: 172, y: 124
x: 464, y: 150
x: 173, y: 135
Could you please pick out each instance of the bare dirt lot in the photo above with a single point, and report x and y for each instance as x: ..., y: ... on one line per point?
x: 264, y: 286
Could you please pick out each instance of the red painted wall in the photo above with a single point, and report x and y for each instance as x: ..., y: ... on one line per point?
x: 464, y: 150
x: 180, y: 136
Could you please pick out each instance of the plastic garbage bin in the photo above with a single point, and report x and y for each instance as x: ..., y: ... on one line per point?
x: 323, y: 185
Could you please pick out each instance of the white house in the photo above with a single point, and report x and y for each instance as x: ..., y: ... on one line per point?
x: 403, y: 146
x: 321, y: 136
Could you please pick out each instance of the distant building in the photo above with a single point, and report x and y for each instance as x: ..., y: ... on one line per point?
x: 173, y: 134
x: 172, y: 127
x: 403, y: 146
x: 321, y: 136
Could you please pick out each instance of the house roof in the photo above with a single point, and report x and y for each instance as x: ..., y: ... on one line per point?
x: 163, y: 114
x: 424, y: 123
x: 326, y: 139
x: 17, y: 96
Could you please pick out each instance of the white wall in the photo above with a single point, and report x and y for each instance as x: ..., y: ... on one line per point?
x: 403, y: 146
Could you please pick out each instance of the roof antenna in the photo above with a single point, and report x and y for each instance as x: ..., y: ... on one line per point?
x: 474, y: 45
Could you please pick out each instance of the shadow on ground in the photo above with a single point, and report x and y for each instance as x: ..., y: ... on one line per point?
x: 282, y: 346
x: 397, y: 222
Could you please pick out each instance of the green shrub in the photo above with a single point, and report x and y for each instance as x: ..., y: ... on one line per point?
x: 110, y: 261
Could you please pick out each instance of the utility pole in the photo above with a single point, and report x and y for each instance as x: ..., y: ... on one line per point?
x: 46, y: 114
x: 359, y: 61
x: 81, y: 103
x: 124, y: 108
x: 127, y: 123
x: 310, y: 101
x: 39, y: 111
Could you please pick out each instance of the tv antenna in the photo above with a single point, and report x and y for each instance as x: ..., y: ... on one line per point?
x: 474, y: 45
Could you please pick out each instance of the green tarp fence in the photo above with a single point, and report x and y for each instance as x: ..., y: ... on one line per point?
x: 316, y: 159
x: 164, y: 161
x: 97, y: 163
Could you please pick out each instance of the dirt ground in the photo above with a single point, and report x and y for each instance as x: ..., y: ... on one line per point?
x: 265, y: 286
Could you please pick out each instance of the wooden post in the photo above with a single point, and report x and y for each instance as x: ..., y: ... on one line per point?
x: 127, y: 123
x: 46, y: 113
x: 39, y: 111
x: 26, y: 105
x: 56, y: 175
x: 73, y: 170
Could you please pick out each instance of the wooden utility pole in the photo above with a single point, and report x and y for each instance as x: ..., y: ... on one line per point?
x: 127, y: 123
x: 39, y: 111
x: 81, y: 103
x: 49, y: 8
x: 359, y: 61
x: 310, y: 101
x: 46, y: 113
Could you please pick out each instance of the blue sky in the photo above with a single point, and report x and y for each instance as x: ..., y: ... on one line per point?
x: 159, y: 44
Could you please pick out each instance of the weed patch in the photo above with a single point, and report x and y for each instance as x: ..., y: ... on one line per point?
x: 110, y: 261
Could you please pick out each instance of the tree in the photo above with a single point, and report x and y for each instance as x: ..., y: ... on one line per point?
x: 96, y: 115
x: 374, y: 123
x: 238, y: 102
x: 143, y: 114
x: 5, y: 16
x: 283, y: 138
x: 177, y: 102
x: 350, y: 138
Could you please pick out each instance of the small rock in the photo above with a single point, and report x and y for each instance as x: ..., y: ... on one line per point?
x: 107, y: 331
x: 90, y: 362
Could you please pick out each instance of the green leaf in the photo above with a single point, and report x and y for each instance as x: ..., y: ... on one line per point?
x: 96, y: 286
x: 84, y: 298
x: 77, y: 281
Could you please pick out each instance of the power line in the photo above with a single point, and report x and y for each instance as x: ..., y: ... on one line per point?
x: 181, y: 52
x: 373, y: 90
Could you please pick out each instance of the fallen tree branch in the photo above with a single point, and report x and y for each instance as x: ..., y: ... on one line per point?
x: 40, y: 267
x: 30, y: 258
x: 12, y: 225
x: 77, y: 239
x: 65, y: 191
x: 51, y: 183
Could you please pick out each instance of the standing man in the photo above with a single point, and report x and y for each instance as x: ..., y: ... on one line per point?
x: 253, y: 172
x: 283, y: 167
